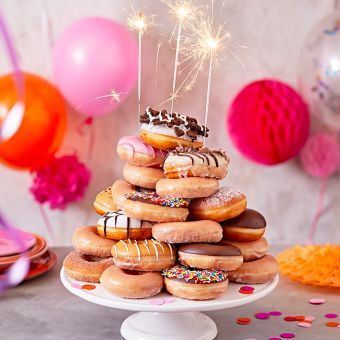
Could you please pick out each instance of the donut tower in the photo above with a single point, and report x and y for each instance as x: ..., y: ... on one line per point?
x: 169, y: 224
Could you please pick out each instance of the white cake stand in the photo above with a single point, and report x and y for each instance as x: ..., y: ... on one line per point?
x: 178, y: 320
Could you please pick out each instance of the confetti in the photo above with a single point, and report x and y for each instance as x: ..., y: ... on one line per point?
x: 76, y: 285
x: 331, y: 316
x: 247, y: 288
x: 243, y: 321
x: 88, y: 287
x: 275, y: 313
x: 300, y: 318
x: 169, y: 300
x: 287, y: 335
x: 289, y: 318
x: 305, y: 324
x: 156, y: 302
x: 318, y: 301
x: 262, y: 316
x: 332, y: 324
x: 309, y: 318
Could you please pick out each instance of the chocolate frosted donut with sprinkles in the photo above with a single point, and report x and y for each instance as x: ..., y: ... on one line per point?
x: 116, y: 225
x: 152, y: 207
x: 188, y: 162
x: 166, y: 131
x: 195, y: 284
x: 143, y: 255
x: 226, y: 203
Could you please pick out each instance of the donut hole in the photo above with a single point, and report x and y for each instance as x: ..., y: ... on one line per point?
x: 133, y: 272
x: 90, y: 258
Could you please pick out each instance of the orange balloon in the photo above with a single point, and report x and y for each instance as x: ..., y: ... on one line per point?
x: 43, y: 126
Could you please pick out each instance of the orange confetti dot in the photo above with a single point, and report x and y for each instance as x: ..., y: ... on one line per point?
x: 299, y: 318
x: 332, y: 324
x: 88, y: 287
x: 243, y: 321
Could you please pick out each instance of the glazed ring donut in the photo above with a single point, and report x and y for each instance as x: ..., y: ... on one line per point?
x: 104, y: 202
x: 224, y: 204
x: 134, y: 151
x: 87, y: 241
x: 119, y: 189
x: 195, y: 284
x: 259, y: 271
x: 187, y: 232
x: 252, y: 250
x: 84, y: 267
x: 142, y: 176
x: 249, y: 226
x: 167, y: 131
x: 131, y: 284
x: 147, y: 255
x: 151, y: 207
x: 190, y: 187
x: 186, y: 162
x: 210, y: 256
x: 117, y: 226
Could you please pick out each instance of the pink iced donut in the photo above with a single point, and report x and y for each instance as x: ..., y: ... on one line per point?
x: 9, y: 245
x: 133, y: 150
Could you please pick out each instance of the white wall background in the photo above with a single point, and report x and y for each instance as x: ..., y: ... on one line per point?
x: 273, y: 29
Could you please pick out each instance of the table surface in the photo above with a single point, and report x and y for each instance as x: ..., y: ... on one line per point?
x: 43, y: 309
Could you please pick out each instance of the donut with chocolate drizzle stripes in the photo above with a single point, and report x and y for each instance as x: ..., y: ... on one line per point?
x: 248, y: 226
x: 226, y: 203
x: 146, y: 255
x: 134, y: 151
x: 151, y: 207
x: 131, y: 284
x: 210, y: 256
x: 187, y: 162
x: 117, y: 226
x: 104, y: 202
x: 142, y: 176
x: 85, y: 267
x: 166, y: 131
x: 190, y: 187
x: 195, y: 284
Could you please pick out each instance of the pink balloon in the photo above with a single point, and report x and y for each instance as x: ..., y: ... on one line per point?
x: 91, y: 58
x: 320, y: 155
x: 268, y: 122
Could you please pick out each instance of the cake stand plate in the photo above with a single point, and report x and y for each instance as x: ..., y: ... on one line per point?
x: 164, y: 316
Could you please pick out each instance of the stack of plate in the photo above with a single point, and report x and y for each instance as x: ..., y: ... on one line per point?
x: 33, y: 247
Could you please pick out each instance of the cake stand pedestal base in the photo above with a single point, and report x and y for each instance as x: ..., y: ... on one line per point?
x: 168, y: 326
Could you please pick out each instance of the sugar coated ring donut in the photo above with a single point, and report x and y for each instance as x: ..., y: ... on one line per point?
x: 117, y: 226
x: 167, y: 131
x: 119, y: 189
x: 259, y: 271
x: 248, y: 226
x: 87, y: 241
x: 84, y: 267
x: 252, y: 250
x: 190, y: 187
x: 224, y: 204
x: 134, y: 151
x: 151, y: 207
x: 131, y: 284
x: 147, y: 255
x: 104, y: 202
x: 195, y: 284
x: 142, y: 176
x: 187, y: 162
x: 210, y: 256
x: 187, y: 232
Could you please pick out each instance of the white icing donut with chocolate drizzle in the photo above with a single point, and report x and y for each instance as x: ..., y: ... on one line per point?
x: 117, y: 226
x: 164, y: 130
x: 188, y: 162
x: 143, y: 255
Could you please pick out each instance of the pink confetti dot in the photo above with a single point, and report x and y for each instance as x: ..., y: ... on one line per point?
x: 287, y: 335
x: 168, y: 300
x: 331, y: 316
x: 156, y: 302
x: 318, y: 301
x: 247, y: 288
x: 76, y: 285
x: 304, y: 324
x: 262, y: 316
x: 275, y: 313
x: 309, y: 318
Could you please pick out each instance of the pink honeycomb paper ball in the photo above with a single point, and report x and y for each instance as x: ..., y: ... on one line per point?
x: 268, y: 122
x: 320, y: 155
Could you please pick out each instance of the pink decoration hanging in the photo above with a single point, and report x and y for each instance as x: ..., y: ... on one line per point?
x: 268, y: 122
x: 320, y: 155
x: 61, y: 182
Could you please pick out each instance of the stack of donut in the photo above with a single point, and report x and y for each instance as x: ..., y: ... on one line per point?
x: 168, y: 223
